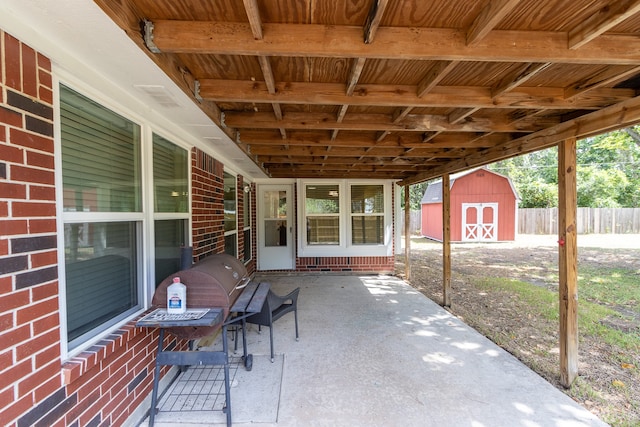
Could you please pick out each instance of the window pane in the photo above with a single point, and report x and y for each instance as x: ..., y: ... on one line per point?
x: 323, y: 230
x: 100, y: 157
x: 170, y: 236
x: 367, y: 229
x: 100, y: 265
x: 229, y: 202
x: 367, y: 199
x: 170, y: 182
x: 322, y: 199
x: 230, y: 245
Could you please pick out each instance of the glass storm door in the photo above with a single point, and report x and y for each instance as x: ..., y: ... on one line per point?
x: 275, y: 238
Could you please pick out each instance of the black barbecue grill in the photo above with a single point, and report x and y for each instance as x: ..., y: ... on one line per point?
x: 219, y: 286
x: 216, y: 281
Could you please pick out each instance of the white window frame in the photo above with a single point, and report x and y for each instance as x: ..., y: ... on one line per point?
x: 345, y: 248
x: 352, y: 215
x: 235, y: 231
x: 246, y: 204
x: 145, y: 252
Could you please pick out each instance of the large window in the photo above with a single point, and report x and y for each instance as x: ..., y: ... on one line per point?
x: 322, y: 210
x: 230, y: 215
x: 101, y: 177
x: 367, y: 214
x: 345, y: 218
x: 246, y: 214
x: 171, y: 206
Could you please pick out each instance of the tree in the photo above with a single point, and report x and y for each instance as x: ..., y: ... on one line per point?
x: 607, y: 174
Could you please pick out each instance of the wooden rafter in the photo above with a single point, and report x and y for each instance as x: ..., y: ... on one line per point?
x: 406, y: 140
x: 373, y: 19
x: 404, y: 96
x: 457, y: 96
x: 614, y: 117
x: 488, y: 18
x: 518, y: 77
x: 306, y: 40
x: 378, y: 122
x: 253, y: 13
x: 435, y: 75
x: 606, y: 18
x: 604, y: 78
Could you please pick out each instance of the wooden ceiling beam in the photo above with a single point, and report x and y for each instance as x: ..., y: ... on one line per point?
x: 354, y: 75
x: 327, y: 167
x: 597, y: 24
x: 336, y: 161
x: 373, y: 19
x: 488, y: 18
x: 402, y: 43
x: 404, y: 95
x: 376, y: 122
x: 288, y: 173
x: 435, y: 75
x: 607, y: 77
x: 518, y: 77
x: 617, y: 116
x: 459, y: 114
x: 405, y: 140
x: 358, y: 152
x: 253, y: 13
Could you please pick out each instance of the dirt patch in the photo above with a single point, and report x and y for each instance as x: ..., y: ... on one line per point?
x: 609, y: 381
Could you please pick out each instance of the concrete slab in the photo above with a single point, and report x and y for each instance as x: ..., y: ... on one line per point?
x: 375, y: 352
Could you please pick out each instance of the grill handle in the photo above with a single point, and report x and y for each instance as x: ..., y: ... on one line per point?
x: 243, y: 283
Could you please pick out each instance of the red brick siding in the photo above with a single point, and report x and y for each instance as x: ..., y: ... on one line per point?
x: 104, y: 384
x: 207, y: 192
x: 29, y: 328
x: 372, y: 264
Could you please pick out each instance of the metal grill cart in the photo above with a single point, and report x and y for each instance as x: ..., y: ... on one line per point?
x: 219, y: 294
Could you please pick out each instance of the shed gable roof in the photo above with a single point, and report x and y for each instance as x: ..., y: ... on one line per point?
x: 433, y: 192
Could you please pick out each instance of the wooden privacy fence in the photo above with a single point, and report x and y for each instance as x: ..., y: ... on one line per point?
x: 545, y: 221
x: 589, y: 220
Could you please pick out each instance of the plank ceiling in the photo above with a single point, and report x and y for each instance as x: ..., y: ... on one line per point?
x: 399, y: 89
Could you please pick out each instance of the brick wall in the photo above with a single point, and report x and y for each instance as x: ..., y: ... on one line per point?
x: 368, y: 264
x: 104, y: 384
x: 29, y: 320
x: 207, y: 215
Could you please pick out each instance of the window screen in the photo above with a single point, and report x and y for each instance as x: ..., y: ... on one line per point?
x: 100, y: 157
x: 367, y: 214
x: 322, y: 209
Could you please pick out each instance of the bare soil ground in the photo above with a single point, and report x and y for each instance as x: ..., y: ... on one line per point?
x: 609, y: 381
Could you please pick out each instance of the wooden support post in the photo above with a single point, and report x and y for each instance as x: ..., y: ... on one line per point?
x: 446, y: 241
x: 568, y: 261
x: 407, y: 232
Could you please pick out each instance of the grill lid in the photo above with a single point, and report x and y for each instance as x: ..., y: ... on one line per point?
x: 215, y: 281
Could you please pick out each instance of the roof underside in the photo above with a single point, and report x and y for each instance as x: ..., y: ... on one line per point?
x: 404, y: 89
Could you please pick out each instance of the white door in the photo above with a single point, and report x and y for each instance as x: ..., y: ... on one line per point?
x: 275, y: 227
x: 479, y: 222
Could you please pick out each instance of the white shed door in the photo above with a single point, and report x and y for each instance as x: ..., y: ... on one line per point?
x: 479, y: 222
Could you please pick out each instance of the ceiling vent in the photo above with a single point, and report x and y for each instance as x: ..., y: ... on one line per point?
x: 159, y: 94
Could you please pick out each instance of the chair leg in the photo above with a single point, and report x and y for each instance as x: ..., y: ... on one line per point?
x: 271, y: 341
x: 295, y: 314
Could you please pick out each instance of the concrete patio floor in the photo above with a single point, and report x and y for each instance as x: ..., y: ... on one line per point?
x: 373, y: 352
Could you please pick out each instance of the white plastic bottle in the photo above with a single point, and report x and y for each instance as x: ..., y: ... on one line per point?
x: 176, y: 297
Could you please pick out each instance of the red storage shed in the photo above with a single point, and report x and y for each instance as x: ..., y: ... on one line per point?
x: 484, y: 208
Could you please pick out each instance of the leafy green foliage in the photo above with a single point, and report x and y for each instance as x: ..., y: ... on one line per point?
x: 608, y: 172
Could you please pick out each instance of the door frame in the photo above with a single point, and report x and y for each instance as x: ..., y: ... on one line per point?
x: 275, y: 257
